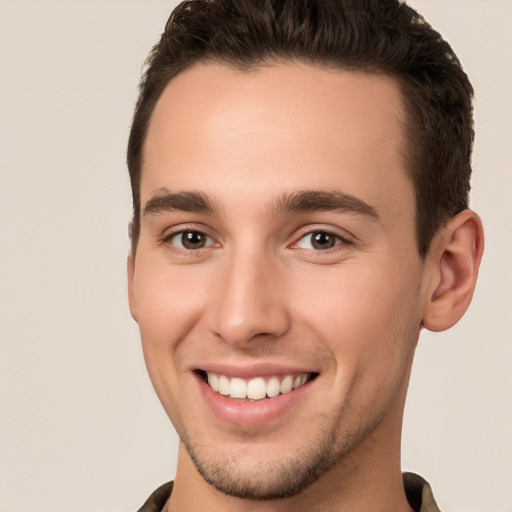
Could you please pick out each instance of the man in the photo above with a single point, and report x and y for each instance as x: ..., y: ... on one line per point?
x: 300, y: 173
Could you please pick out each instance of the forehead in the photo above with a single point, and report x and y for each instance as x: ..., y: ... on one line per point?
x: 271, y: 128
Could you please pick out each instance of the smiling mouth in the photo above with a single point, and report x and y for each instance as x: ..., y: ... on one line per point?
x: 257, y: 388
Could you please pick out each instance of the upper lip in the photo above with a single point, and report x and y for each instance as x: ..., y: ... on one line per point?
x: 252, y: 370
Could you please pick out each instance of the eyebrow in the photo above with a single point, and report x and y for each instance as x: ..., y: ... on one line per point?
x: 319, y: 200
x: 188, y: 201
x: 303, y: 201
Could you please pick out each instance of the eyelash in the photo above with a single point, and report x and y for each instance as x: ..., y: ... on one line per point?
x: 210, y: 242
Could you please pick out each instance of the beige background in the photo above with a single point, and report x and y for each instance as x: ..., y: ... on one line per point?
x: 80, y: 427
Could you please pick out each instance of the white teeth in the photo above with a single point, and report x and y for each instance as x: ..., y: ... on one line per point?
x: 286, y: 385
x: 257, y: 388
x: 237, y: 388
x: 213, y: 380
x: 273, y: 387
x: 223, y: 385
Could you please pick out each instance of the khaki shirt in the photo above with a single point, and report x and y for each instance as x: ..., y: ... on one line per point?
x: 418, y: 492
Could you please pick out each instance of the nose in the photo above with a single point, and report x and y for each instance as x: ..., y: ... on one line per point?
x: 249, y: 303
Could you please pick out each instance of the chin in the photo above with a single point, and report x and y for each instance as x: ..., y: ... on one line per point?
x: 247, y: 472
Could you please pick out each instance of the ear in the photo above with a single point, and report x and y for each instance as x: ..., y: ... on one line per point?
x: 453, y: 263
x: 130, y: 270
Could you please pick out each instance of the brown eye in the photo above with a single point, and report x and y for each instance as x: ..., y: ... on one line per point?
x: 319, y: 241
x: 193, y: 240
x: 190, y: 240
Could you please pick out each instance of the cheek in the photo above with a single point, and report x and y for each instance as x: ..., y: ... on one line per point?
x: 168, y: 303
x: 364, y: 316
x: 168, y: 306
x: 370, y: 327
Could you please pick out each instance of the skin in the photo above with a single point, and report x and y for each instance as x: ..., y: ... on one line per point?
x: 259, y: 292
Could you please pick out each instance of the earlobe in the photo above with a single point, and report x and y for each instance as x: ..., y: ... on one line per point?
x: 454, y: 260
x: 130, y: 270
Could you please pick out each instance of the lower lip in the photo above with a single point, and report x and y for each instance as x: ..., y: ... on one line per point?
x: 251, y: 414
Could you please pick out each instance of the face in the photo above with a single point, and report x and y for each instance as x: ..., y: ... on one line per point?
x: 277, y: 283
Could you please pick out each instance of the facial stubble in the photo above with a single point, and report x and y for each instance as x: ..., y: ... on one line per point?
x: 275, y: 480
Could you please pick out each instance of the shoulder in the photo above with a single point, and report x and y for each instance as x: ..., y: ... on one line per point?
x: 419, y: 493
x: 158, y: 499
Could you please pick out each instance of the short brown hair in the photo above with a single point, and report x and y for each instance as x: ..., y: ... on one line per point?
x: 376, y: 36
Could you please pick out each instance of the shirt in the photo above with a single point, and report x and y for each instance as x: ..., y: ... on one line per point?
x: 418, y: 491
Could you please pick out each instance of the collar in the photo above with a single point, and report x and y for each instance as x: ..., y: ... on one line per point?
x: 417, y: 489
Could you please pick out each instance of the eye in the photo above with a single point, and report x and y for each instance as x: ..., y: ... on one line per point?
x: 319, y: 241
x: 190, y: 240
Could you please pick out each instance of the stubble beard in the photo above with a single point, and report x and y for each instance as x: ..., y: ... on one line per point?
x: 275, y: 480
